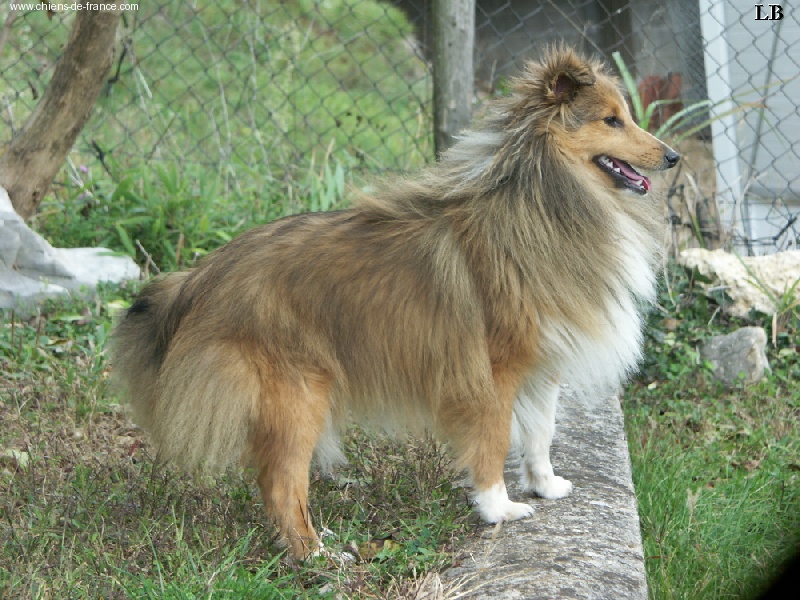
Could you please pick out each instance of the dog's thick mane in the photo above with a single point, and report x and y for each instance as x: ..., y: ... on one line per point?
x: 507, y: 188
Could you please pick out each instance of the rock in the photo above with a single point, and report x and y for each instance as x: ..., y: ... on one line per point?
x: 743, y: 351
x: 31, y: 270
x: 769, y: 278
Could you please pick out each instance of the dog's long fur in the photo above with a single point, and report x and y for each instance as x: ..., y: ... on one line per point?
x: 454, y: 301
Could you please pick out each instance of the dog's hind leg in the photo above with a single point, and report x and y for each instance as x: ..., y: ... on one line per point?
x: 478, y: 430
x: 293, y: 417
x: 534, y: 426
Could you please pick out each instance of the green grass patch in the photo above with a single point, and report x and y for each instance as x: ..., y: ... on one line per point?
x: 716, y: 470
x: 169, y: 217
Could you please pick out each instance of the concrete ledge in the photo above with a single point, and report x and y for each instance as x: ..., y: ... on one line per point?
x: 585, y: 546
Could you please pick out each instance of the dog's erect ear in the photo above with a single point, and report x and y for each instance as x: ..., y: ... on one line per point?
x: 556, y: 80
x: 568, y: 74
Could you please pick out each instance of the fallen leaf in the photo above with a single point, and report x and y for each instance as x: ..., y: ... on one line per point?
x: 19, y: 458
x: 370, y: 549
x: 751, y: 464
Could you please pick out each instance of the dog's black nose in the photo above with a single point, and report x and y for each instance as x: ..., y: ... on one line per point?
x: 671, y: 158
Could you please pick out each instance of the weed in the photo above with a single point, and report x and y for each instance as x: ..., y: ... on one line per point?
x: 687, y: 121
x: 168, y: 218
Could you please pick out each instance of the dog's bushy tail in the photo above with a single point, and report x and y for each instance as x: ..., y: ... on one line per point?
x: 139, y: 345
x: 195, y: 398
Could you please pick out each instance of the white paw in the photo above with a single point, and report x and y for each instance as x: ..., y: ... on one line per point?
x: 552, y: 487
x: 510, y: 511
x: 494, y: 506
x: 340, y: 558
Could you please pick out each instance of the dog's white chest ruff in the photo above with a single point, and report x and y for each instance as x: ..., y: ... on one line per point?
x: 602, y: 361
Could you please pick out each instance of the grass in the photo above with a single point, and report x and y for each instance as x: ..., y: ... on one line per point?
x: 86, y: 511
x: 167, y: 218
x: 716, y: 470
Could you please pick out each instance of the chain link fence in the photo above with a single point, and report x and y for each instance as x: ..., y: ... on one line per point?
x: 241, y: 85
x: 727, y: 74
x: 265, y: 90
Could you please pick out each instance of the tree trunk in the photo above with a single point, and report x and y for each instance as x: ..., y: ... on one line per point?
x: 38, y: 151
x: 453, y: 73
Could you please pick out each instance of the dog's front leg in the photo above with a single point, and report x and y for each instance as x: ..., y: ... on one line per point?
x: 478, y: 430
x: 534, y: 425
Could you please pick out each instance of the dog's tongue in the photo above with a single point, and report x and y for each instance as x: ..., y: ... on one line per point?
x: 631, y: 174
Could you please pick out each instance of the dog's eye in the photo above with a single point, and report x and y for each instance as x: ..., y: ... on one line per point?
x: 612, y: 121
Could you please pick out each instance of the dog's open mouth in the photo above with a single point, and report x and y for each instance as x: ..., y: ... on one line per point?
x: 624, y: 174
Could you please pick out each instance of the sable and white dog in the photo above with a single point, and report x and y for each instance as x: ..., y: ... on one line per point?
x: 452, y: 301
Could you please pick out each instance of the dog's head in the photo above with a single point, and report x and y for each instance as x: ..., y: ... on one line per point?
x: 577, y: 108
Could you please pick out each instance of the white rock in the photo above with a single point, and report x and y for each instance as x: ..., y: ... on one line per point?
x: 31, y: 270
x: 90, y: 266
x: 745, y: 279
x: 5, y: 201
